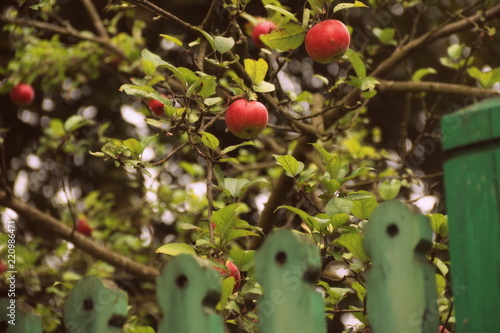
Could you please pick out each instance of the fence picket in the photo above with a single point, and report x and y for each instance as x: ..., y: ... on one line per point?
x: 401, y: 284
x: 287, y: 267
x: 188, y: 291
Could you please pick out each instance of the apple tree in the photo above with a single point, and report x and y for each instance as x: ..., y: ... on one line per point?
x: 167, y: 127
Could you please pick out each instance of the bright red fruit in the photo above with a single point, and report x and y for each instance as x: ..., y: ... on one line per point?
x: 327, y: 41
x: 262, y: 29
x: 233, y: 271
x: 3, y: 268
x: 22, y: 94
x: 156, y: 106
x: 246, y: 119
x: 83, y: 227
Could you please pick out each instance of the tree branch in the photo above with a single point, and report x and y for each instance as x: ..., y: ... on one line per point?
x: 65, y: 31
x: 160, y: 11
x: 96, y: 19
x: 402, y: 53
x: 437, y: 87
x: 35, y: 216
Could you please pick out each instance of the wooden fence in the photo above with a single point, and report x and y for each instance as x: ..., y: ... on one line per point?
x: 401, y: 284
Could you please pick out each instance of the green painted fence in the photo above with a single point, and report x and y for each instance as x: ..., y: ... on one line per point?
x: 471, y: 138
x: 401, y: 286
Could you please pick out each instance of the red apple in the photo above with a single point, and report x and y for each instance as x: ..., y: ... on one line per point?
x: 262, y: 29
x: 233, y: 271
x: 327, y: 41
x: 22, y: 94
x: 156, y: 106
x: 83, y: 227
x: 246, y: 119
x: 3, y: 268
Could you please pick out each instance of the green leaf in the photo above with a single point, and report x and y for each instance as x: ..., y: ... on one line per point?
x: 289, y: 164
x: 212, y: 101
x: 455, y: 51
x: 188, y: 75
x: 420, y: 73
x: 174, y: 249
x: 282, y: 11
x: 263, y: 87
x: 256, y: 69
x: 332, y: 162
x: 338, y: 206
x: 354, y: 244
x: 154, y: 122
x: 358, y: 172
x: 363, y: 209
x: 172, y: 39
x: 159, y: 62
x: 209, y: 37
x: 235, y: 186
x: 233, y: 147
x: 439, y: 224
x: 241, y: 258
x: 356, y: 62
x: 209, y: 140
x: 338, y: 220
x: 311, y: 221
x: 385, y: 36
x: 345, y: 5
x: 225, y: 217
x: 134, y: 146
x: 223, y: 44
x: 287, y: 38
x: 75, y: 122
x: 486, y: 78
x: 389, y: 189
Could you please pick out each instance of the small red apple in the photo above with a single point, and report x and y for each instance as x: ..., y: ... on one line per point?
x: 233, y: 271
x: 3, y: 268
x: 327, y: 41
x: 83, y: 227
x: 22, y: 94
x: 262, y: 28
x: 156, y: 106
x: 246, y: 119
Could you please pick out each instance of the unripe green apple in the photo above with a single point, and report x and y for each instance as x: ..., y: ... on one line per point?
x: 327, y: 41
x: 262, y: 28
x: 22, y: 94
x: 246, y: 119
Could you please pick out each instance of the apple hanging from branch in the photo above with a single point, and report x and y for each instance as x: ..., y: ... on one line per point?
x: 22, y: 94
x: 232, y: 270
x: 327, y: 41
x: 262, y: 28
x: 83, y: 226
x: 156, y: 106
x: 246, y: 119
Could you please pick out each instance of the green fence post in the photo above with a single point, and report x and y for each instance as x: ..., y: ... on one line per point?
x: 95, y: 305
x: 401, y: 283
x: 287, y: 266
x: 471, y: 138
x: 19, y: 317
x: 188, y: 291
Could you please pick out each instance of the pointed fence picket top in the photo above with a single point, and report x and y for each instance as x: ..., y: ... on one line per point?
x: 188, y: 291
x: 19, y: 317
x: 401, y: 283
x: 95, y: 305
x: 287, y: 267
